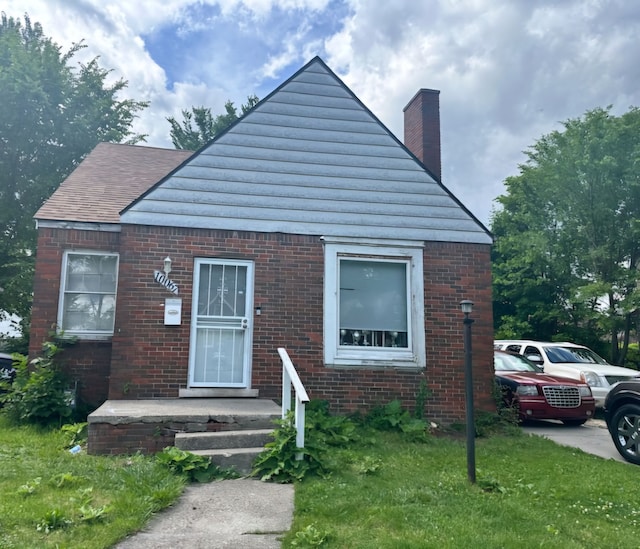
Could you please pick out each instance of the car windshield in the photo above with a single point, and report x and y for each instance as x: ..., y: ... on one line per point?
x: 557, y: 354
x: 504, y: 362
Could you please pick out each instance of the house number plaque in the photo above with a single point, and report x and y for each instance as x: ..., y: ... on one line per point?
x: 165, y: 281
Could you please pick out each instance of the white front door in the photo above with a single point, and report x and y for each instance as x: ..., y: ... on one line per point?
x: 220, y: 350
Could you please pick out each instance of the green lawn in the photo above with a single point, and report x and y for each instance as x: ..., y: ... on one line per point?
x: 384, y: 492
x: 51, y: 498
x: 530, y: 492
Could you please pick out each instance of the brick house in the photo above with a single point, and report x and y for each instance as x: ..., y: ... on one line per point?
x: 305, y: 225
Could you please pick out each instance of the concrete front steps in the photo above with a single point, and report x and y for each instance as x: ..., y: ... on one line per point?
x: 149, y: 426
x: 227, y: 449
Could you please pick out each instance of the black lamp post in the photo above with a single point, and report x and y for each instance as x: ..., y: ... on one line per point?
x: 467, y: 307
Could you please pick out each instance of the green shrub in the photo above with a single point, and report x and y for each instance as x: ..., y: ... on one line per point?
x: 278, y: 462
x: 392, y: 417
x: 632, y: 359
x: 38, y: 394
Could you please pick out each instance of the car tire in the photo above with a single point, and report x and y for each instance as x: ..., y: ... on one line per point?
x: 574, y: 422
x: 625, y: 432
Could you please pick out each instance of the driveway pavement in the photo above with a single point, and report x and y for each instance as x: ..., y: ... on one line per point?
x: 592, y: 437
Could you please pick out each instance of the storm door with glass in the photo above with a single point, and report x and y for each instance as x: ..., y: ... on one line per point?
x: 220, y: 354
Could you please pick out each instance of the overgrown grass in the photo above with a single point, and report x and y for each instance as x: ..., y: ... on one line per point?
x: 52, y: 498
x: 393, y: 493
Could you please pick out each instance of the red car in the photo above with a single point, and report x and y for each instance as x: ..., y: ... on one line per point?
x: 541, y: 396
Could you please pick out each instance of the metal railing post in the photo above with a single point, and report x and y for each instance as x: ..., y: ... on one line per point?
x: 291, y: 379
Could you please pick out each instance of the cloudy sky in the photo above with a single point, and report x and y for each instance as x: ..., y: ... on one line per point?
x: 509, y: 71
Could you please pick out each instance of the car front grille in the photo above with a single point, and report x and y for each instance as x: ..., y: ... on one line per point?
x: 615, y: 379
x: 561, y: 396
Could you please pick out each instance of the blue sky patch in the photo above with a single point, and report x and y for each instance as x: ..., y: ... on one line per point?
x: 206, y: 46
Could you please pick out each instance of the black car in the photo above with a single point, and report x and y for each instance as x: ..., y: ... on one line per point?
x: 622, y: 413
x: 7, y: 371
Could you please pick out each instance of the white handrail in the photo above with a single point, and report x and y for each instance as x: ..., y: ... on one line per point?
x: 290, y: 379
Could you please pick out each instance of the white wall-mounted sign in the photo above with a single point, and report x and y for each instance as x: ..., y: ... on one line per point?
x: 165, y: 281
x: 172, y: 311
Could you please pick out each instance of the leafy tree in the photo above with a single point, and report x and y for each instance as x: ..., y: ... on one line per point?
x: 51, y: 116
x: 568, y: 235
x: 185, y: 136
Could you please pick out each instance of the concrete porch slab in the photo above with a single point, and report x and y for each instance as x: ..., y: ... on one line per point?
x: 148, y: 426
x: 196, y: 410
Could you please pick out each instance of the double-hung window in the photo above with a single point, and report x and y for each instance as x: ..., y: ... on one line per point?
x: 88, y: 293
x: 374, y: 305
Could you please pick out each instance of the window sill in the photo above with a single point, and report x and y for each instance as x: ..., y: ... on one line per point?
x: 85, y: 337
x: 355, y: 364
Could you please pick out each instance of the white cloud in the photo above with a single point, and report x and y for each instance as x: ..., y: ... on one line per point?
x: 508, y: 70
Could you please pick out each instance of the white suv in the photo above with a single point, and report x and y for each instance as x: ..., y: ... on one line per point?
x: 571, y: 360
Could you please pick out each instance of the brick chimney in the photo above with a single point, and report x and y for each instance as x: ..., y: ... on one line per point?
x: 422, y: 129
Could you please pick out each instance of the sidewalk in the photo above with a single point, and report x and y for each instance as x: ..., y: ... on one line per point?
x: 228, y: 514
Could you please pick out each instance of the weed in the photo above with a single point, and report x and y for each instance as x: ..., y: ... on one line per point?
x: 75, y: 433
x: 194, y: 467
x: 53, y: 520
x: 93, y: 514
x: 65, y: 479
x: 309, y: 536
x: 392, y: 417
x: 29, y: 487
x: 490, y: 484
x: 279, y: 461
x: 85, y: 496
x: 421, y: 398
x: 367, y: 465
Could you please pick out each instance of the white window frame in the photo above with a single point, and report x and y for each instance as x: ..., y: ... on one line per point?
x: 336, y: 355
x: 84, y: 334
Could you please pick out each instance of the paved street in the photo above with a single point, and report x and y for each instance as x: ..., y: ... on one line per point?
x: 592, y: 437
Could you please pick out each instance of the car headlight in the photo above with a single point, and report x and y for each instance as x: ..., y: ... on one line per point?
x: 585, y: 391
x: 591, y: 378
x: 527, y: 390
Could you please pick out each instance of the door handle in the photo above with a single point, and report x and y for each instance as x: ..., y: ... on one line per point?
x: 245, y: 323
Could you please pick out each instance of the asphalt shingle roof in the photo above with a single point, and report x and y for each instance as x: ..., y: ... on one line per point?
x: 109, y: 179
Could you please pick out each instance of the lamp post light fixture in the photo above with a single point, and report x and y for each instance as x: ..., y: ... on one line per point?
x: 467, y: 307
x: 167, y: 265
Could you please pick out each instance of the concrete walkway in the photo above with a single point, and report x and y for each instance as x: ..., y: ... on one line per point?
x: 228, y: 514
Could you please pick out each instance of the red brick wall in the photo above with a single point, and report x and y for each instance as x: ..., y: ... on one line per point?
x: 147, y: 438
x: 86, y: 362
x: 422, y: 129
x: 454, y: 272
x: 150, y: 360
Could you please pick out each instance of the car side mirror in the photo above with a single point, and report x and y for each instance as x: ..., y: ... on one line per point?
x: 536, y: 359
